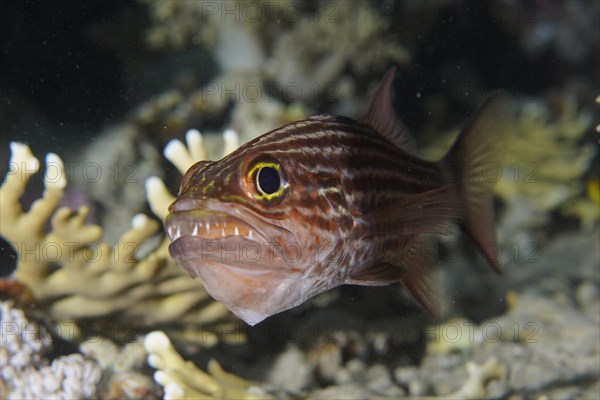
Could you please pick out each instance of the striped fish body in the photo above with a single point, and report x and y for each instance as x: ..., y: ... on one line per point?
x: 327, y: 201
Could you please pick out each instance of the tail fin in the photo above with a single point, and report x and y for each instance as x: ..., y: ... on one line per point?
x: 476, y: 160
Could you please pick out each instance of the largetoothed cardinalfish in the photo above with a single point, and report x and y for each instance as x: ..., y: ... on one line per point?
x: 328, y: 200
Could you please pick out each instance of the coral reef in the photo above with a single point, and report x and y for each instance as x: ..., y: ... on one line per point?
x: 268, y: 53
x: 96, y: 280
x: 317, y: 50
x: 544, y: 341
x: 73, y: 275
x: 113, y: 178
x: 295, y: 374
x: 183, y: 380
x: 25, y: 373
x: 568, y: 28
x: 321, y: 38
x: 123, y: 369
x: 546, y: 160
x: 544, y: 165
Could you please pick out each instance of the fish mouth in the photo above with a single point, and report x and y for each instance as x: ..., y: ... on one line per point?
x: 208, y: 225
x: 211, y: 234
x: 188, y: 218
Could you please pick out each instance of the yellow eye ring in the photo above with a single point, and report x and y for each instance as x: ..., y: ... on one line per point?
x: 268, y: 180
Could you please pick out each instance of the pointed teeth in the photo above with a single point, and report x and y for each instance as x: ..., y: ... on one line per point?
x: 202, y: 229
x: 174, y: 233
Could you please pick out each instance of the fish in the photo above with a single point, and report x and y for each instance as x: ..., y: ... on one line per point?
x: 328, y: 200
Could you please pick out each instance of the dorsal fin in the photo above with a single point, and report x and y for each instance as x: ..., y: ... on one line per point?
x: 383, y: 119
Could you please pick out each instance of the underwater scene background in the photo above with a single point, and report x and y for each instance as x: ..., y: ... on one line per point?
x: 92, y: 93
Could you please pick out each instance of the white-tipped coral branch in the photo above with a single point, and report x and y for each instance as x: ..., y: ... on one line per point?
x: 183, y: 157
x: 183, y: 380
x: 479, y: 375
x: 72, y: 274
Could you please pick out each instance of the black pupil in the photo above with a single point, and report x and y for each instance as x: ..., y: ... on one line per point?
x: 268, y: 180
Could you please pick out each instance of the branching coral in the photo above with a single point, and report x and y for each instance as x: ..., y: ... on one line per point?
x: 178, y: 24
x: 544, y: 164
x: 545, y: 161
x: 267, y: 51
x: 183, y: 380
x: 316, y: 50
x: 479, y: 375
x: 74, y: 275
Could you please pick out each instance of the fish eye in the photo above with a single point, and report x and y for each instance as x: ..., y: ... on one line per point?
x: 268, y: 180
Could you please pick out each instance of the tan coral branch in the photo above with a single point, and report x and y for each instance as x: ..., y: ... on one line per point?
x: 183, y: 380
x: 72, y: 274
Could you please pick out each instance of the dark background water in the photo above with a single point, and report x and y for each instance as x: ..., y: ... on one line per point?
x: 68, y: 69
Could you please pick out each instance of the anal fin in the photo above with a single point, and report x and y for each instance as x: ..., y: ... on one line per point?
x: 410, y: 268
x: 418, y: 279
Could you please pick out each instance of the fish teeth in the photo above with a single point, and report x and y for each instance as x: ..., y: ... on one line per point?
x: 235, y: 231
x: 249, y: 234
x: 195, y: 230
x: 207, y: 226
x: 222, y: 232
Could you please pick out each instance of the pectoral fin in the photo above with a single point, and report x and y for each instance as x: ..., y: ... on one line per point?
x: 434, y: 211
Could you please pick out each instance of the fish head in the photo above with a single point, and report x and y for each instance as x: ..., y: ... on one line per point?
x: 259, y: 228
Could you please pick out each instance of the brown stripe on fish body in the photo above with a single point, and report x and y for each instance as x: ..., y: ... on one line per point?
x: 375, y: 182
x: 369, y: 167
x: 314, y: 201
x: 310, y: 133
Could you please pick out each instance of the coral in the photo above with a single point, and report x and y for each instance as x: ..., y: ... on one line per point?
x: 545, y: 161
x: 24, y: 371
x: 112, y: 178
x: 23, y: 342
x: 73, y: 275
x: 179, y: 24
x: 297, y: 374
x: 183, y: 380
x: 68, y: 377
x: 541, y: 342
x: 544, y: 164
x: 568, y: 28
x: 315, y: 51
x: 122, y: 369
x: 295, y: 52
x: 479, y: 376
